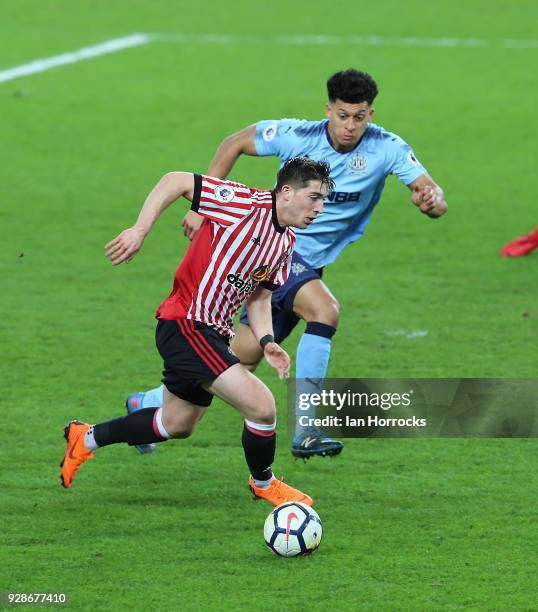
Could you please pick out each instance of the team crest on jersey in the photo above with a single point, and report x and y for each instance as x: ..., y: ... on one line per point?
x: 269, y: 132
x: 224, y: 193
x: 260, y: 274
x: 357, y: 165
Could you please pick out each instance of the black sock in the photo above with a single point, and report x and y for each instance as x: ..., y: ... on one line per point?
x: 259, y: 453
x: 134, y: 428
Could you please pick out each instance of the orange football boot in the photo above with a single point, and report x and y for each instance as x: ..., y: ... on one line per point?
x: 278, y: 493
x: 76, y: 452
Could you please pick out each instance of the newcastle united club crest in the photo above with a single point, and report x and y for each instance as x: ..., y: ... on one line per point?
x: 357, y: 165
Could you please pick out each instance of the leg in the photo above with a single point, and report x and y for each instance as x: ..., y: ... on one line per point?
x: 154, y: 398
x: 176, y: 419
x: 315, y: 304
x: 253, y: 400
x: 183, y: 406
x: 180, y: 416
x: 318, y: 307
x: 246, y: 347
x: 245, y: 392
x: 303, y: 296
x: 194, y: 352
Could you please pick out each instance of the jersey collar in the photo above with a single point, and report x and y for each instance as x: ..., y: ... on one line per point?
x: 276, y: 224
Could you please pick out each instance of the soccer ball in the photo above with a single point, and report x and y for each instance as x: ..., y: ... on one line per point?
x: 293, y: 529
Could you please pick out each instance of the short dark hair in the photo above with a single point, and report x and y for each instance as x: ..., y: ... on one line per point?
x: 298, y: 171
x: 352, y: 86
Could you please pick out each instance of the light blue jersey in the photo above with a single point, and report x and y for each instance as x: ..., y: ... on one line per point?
x: 359, y: 178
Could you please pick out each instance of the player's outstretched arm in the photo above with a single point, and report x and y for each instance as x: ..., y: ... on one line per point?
x: 261, y: 324
x: 428, y: 196
x: 240, y: 143
x: 171, y: 187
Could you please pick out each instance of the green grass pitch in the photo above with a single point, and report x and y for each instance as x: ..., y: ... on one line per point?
x: 409, y: 524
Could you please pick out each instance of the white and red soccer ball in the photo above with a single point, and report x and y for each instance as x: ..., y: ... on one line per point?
x: 293, y: 529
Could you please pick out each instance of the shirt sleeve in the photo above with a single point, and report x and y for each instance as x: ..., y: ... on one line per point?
x: 403, y: 162
x: 277, y: 137
x: 221, y: 201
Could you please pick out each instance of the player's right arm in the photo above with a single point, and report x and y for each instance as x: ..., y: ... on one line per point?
x: 428, y: 196
x: 240, y: 143
x: 171, y: 187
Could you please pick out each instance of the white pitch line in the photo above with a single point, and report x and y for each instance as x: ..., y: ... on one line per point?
x: 135, y: 40
x: 372, y: 41
x: 40, y: 65
x: 408, y: 333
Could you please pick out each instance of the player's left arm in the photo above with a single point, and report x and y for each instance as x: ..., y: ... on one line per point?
x: 428, y: 196
x: 261, y: 323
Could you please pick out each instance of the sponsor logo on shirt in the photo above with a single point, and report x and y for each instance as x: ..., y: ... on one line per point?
x: 357, y: 165
x: 269, y: 131
x: 247, y: 286
x: 242, y: 286
x: 224, y: 193
x: 339, y: 197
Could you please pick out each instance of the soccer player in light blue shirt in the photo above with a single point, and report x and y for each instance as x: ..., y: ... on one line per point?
x: 361, y: 155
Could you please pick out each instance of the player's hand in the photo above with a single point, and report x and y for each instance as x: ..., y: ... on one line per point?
x: 125, y: 246
x: 191, y: 224
x: 428, y: 198
x: 278, y: 358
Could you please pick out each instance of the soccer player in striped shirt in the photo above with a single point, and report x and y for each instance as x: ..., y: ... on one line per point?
x: 241, y: 253
x: 362, y: 155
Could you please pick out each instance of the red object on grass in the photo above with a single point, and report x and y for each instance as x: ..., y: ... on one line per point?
x: 521, y: 246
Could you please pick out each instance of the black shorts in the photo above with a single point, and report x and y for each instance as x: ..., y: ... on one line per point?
x: 192, y: 353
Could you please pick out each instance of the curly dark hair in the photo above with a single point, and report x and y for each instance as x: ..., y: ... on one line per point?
x: 298, y: 171
x: 352, y: 86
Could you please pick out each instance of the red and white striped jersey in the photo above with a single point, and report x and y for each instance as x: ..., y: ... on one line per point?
x: 239, y: 246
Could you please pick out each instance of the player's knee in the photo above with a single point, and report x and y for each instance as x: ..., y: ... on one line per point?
x: 266, y: 417
x: 177, y: 427
x: 333, y: 313
x: 326, y: 311
x: 181, y: 431
x: 265, y: 410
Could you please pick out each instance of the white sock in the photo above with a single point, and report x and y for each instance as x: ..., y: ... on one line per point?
x: 89, y: 440
x: 160, y: 426
x: 263, y: 484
